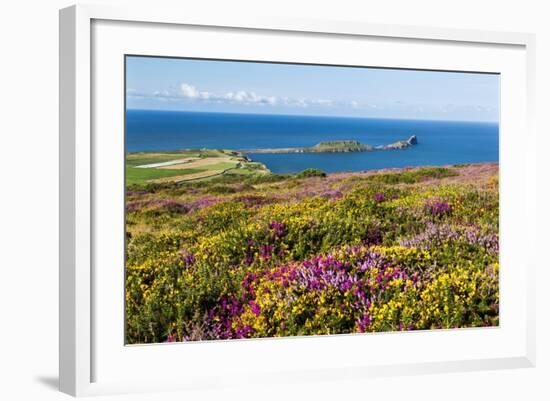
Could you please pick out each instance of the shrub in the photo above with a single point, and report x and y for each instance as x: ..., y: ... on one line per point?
x: 413, y: 176
x: 299, y: 256
x: 311, y: 172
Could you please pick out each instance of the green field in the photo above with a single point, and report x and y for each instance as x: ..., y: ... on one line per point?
x: 187, y: 165
x: 142, y: 175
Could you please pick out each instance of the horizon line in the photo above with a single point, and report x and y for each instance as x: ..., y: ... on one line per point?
x: 316, y: 115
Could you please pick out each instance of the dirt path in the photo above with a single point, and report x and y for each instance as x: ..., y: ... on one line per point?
x: 198, y: 163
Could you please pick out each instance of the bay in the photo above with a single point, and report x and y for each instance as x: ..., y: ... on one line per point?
x: 439, y: 142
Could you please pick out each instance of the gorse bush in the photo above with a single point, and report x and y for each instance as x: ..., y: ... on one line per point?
x: 308, y: 256
x: 311, y: 172
x: 413, y: 176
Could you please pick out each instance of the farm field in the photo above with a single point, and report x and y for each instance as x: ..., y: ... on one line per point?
x: 220, y: 248
x: 187, y: 165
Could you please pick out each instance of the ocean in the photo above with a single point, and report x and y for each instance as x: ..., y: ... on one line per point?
x: 439, y: 142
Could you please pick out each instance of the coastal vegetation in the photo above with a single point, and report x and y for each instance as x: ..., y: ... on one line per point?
x: 188, y: 165
x: 240, y: 252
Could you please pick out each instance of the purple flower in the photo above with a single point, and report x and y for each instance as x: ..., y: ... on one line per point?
x: 202, y: 203
x: 438, y: 208
x: 132, y: 207
x: 255, y: 308
x: 249, y: 252
x: 363, y: 323
x: 187, y: 257
x: 379, y: 197
x: 331, y: 194
x: 248, y: 283
x: 436, y: 235
x: 350, y: 276
x: 136, y: 193
x: 243, y: 332
x: 371, y: 260
x: 169, y: 205
x: 253, y: 200
x: 278, y: 230
x: 265, y: 251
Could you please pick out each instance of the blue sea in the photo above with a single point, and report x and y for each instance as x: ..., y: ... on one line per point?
x: 439, y: 142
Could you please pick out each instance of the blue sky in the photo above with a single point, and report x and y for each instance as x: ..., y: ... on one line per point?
x: 266, y: 88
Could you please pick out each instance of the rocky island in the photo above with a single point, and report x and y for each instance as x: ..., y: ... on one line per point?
x: 344, y: 146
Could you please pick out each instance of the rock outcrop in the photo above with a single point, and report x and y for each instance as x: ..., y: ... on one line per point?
x: 399, y: 144
x: 344, y: 146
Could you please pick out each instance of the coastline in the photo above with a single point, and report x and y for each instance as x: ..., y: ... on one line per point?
x: 192, y: 165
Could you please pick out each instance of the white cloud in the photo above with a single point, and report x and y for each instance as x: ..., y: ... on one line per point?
x: 187, y: 91
x: 297, y: 102
x: 249, y: 98
x: 191, y: 92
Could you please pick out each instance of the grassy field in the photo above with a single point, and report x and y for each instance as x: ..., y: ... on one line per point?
x: 187, y: 165
x: 246, y: 255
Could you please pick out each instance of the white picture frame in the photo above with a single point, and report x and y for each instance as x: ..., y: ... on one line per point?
x: 80, y: 156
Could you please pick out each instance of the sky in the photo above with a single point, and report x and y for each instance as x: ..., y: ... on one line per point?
x: 268, y: 88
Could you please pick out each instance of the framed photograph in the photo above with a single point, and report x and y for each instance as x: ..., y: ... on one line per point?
x: 262, y: 200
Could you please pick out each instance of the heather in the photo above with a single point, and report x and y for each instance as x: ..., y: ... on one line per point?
x: 249, y: 256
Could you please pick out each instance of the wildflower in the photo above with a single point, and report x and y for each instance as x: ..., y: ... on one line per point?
x: 265, y: 251
x: 438, y: 208
x: 278, y: 230
x: 379, y: 197
x: 255, y: 308
x: 171, y: 206
x: 363, y: 323
x: 187, y: 257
